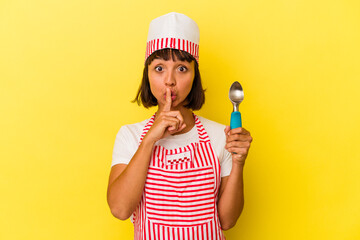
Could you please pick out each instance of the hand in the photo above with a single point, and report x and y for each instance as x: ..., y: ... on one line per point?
x: 238, y: 142
x: 166, y: 122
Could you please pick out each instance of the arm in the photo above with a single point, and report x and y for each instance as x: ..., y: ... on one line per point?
x: 231, y: 195
x: 126, y: 182
x: 231, y: 198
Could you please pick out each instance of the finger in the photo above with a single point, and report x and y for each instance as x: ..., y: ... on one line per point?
x: 227, y: 130
x: 239, y: 137
x: 180, y: 128
x: 238, y: 144
x: 174, y: 114
x: 171, y: 122
x: 168, y: 102
x: 241, y: 151
x: 239, y: 130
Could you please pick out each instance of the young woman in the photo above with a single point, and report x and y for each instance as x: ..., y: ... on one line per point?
x: 177, y: 175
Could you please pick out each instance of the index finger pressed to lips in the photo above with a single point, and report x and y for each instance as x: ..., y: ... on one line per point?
x: 168, y: 102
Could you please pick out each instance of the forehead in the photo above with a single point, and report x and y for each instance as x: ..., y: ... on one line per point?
x: 161, y: 60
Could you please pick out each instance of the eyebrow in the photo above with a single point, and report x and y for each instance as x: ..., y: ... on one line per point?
x: 160, y: 58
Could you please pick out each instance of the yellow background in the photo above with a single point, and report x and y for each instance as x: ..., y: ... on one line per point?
x: 68, y: 70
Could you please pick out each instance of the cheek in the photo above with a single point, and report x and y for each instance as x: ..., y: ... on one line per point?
x: 154, y: 89
x: 190, y: 85
x: 190, y: 82
x: 153, y: 84
x: 188, y: 88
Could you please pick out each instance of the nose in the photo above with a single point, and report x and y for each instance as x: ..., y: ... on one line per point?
x: 170, y: 79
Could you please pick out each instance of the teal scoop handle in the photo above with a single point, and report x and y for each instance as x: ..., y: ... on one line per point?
x: 235, y: 120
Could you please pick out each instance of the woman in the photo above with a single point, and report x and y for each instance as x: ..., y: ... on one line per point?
x: 177, y: 175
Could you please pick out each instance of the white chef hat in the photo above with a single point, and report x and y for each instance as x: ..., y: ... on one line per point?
x: 173, y: 30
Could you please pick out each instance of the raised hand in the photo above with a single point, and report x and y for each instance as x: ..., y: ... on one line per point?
x: 238, y: 141
x: 167, y: 122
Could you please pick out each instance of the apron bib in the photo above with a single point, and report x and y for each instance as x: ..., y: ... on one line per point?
x: 180, y: 194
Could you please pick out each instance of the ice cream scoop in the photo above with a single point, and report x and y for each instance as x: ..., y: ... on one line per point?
x: 236, y: 96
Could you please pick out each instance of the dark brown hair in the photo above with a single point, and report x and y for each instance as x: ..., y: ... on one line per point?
x: 196, y: 97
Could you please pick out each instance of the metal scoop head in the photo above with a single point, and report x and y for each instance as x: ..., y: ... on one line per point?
x: 236, y: 95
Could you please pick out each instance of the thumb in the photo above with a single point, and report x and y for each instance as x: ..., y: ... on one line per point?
x: 227, y: 130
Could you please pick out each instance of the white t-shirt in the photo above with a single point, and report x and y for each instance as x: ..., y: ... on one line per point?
x: 127, y: 142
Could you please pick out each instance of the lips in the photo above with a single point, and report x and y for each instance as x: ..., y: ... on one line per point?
x: 173, y: 95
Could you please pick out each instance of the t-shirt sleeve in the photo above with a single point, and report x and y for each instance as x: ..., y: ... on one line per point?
x: 226, y: 163
x: 125, y: 147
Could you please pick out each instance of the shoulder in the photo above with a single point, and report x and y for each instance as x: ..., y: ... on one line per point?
x: 214, y: 129
x: 132, y: 131
x: 211, y: 126
x: 126, y: 142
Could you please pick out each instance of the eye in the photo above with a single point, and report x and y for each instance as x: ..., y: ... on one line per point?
x: 158, y: 68
x: 182, y: 69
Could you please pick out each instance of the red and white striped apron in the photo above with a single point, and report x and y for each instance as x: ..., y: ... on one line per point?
x: 180, y: 194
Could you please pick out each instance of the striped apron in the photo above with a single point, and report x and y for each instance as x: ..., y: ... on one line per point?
x: 180, y: 194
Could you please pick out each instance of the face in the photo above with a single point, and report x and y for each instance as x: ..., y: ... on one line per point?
x: 176, y: 75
